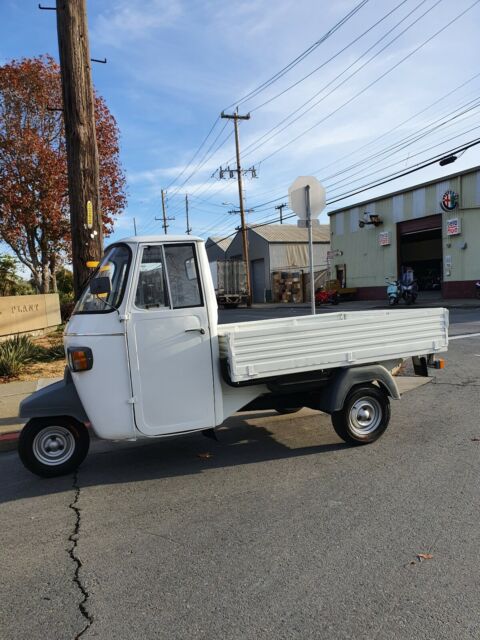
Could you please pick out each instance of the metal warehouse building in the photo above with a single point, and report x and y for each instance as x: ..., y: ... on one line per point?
x: 279, y: 248
x: 433, y: 228
x: 216, y: 247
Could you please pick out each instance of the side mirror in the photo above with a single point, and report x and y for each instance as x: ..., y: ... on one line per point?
x: 100, y: 286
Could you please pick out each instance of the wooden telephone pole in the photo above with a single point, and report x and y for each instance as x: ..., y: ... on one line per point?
x: 235, y: 117
x: 189, y: 228
x: 164, y: 217
x: 81, y: 141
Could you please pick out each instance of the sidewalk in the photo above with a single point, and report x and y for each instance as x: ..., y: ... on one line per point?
x: 11, y: 394
x: 365, y: 305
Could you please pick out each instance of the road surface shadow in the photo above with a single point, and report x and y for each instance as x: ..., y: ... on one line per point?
x: 246, y: 439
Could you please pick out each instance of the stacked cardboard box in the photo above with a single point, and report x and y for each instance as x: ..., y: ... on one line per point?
x: 287, y: 286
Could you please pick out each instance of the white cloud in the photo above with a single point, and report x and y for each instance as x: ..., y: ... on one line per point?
x: 129, y: 21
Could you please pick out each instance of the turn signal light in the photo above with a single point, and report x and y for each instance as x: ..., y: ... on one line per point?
x: 80, y: 358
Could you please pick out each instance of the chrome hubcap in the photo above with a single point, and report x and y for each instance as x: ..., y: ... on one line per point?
x: 53, y: 445
x: 365, y: 416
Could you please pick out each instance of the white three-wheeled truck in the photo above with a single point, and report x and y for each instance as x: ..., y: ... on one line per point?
x: 146, y: 358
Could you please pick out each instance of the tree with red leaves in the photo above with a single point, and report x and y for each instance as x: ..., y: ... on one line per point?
x: 34, y: 212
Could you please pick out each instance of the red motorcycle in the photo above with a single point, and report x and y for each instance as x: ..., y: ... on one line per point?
x: 326, y: 297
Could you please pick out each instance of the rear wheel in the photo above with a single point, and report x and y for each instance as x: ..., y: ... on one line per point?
x: 52, y: 447
x: 365, y: 415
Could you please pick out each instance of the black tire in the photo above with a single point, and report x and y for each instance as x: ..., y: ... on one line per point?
x: 355, y: 428
x: 391, y: 301
x: 335, y: 300
x: 283, y: 412
x: 51, y: 447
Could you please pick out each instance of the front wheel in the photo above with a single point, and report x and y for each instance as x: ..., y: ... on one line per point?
x: 391, y: 301
x: 52, y: 447
x: 364, y: 417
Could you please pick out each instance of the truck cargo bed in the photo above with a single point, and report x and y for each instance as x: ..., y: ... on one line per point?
x: 270, y: 348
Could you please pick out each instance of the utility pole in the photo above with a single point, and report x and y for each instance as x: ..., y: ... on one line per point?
x: 81, y: 142
x: 281, y: 207
x: 236, y: 117
x: 189, y: 228
x: 164, y: 217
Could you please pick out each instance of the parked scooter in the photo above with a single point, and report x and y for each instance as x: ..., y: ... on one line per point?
x: 323, y: 296
x: 477, y: 289
x: 408, y: 287
x: 393, y: 291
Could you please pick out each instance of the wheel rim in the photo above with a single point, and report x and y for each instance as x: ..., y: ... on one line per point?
x: 53, y: 445
x: 365, y: 416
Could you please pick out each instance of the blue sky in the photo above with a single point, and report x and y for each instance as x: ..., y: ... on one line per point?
x: 173, y: 65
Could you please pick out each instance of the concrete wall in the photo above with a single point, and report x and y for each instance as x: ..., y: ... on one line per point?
x: 25, y: 314
x: 368, y: 263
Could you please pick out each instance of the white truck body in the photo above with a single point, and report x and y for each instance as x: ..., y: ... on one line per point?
x: 154, y: 361
x: 283, y: 346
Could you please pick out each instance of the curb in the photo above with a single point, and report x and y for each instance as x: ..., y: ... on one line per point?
x: 8, y: 441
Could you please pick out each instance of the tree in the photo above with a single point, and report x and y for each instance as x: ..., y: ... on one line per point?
x: 10, y: 282
x: 34, y: 214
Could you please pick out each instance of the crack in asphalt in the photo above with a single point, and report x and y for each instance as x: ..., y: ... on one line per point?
x: 73, y: 538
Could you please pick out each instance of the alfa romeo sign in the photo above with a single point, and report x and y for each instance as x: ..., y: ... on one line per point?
x: 449, y: 200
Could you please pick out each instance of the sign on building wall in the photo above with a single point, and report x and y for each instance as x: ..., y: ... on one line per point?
x: 384, y: 238
x: 454, y: 227
x: 449, y: 200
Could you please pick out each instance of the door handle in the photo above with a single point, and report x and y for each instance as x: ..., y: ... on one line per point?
x: 201, y: 329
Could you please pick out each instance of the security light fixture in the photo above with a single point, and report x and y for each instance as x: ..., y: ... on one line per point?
x: 447, y: 160
x: 374, y: 219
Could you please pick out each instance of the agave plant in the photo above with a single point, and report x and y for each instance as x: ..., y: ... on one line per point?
x: 16, y: 352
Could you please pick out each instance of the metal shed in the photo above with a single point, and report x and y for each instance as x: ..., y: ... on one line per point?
x: 279, y: 247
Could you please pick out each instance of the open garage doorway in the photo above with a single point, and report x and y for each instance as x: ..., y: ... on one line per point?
x: 420, y: 248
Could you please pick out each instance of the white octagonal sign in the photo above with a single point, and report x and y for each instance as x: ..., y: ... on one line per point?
x: 296, y: 196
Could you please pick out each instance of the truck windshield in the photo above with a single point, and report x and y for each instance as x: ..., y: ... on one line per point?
x: 114, y: 265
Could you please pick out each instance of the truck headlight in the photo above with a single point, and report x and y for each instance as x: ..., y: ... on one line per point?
x: 80, y: 358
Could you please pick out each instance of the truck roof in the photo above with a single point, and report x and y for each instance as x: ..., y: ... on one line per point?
x: 161, y: 238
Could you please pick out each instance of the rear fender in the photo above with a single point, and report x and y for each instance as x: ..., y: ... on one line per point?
x: 57, y: 399
x: 332, y: 396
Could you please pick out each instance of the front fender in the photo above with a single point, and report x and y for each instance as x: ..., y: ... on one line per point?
x: 334, y: 394
x: 57, y: 399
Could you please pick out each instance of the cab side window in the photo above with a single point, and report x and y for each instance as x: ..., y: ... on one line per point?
x: 183, y: 277
x: 151, y: 288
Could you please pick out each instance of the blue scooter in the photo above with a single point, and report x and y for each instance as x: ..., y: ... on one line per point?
x: 393, y: 291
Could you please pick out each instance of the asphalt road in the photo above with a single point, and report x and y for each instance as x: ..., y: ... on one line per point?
x: 280, y: 532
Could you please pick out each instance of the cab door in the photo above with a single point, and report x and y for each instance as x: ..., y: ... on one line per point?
x: 169, y: 342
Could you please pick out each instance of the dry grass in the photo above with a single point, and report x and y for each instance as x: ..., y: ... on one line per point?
x: 37, y: 370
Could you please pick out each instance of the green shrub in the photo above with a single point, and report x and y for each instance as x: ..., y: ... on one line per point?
x: 53, y: 352
x: 16, y: 352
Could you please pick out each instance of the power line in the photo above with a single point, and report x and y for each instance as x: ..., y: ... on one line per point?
x: 383, y: 75
x: 384, y: 180
x: 172, y: 182
x: 324, y: 64
x: 258, y: 144
x: 298, y: 59
x: 270, y: 81
x: 403, y: 143
x: 207, y: 155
